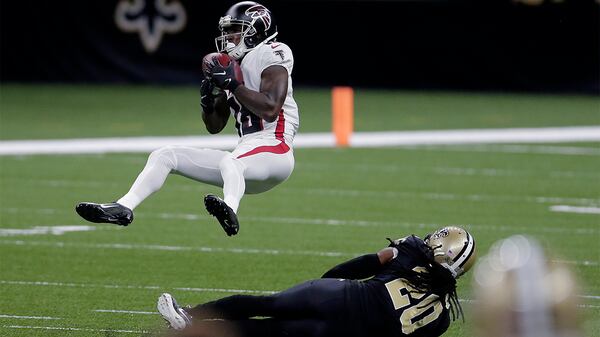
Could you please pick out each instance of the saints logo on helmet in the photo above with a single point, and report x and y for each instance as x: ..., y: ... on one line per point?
x: 245, y: 26
x: 453, y: 248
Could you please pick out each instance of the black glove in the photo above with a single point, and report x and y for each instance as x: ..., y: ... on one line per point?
x: 208, y: 92
x: 226, y: 78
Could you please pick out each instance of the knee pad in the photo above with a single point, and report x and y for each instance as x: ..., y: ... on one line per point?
x: 165, y: 156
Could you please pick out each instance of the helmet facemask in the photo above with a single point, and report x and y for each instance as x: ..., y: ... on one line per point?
x: 242, y: 32
x: 453, y: 248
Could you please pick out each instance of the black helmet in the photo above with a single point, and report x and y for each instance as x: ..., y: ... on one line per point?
x: 255, y: 24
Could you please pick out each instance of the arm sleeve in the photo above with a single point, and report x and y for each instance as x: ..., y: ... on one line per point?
x: 356, y: 269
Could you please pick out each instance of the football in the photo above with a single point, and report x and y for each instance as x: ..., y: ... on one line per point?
x: 223, y: 60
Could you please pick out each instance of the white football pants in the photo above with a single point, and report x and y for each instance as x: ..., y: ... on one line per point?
x: 253, y: 167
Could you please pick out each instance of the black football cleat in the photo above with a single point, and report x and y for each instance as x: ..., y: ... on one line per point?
x: 105, y: 213
x: 226, y: 216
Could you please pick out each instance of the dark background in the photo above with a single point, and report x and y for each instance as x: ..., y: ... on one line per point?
x: 499, y: 45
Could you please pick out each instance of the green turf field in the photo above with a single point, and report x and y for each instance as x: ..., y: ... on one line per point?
x: 40, y: 112
x: 337, y: 204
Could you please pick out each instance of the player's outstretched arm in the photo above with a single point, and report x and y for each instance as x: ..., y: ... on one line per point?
x: 362, y: 267
x: 215, y: 110
x: 267, y: 103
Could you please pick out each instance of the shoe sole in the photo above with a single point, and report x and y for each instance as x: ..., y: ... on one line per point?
x: 166, y: 307
x: 94, y: 213
x: 220, y: 210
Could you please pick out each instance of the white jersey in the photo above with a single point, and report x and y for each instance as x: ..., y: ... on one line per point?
x: 249, y: 125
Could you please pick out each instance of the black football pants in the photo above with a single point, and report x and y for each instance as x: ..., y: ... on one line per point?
x: 314, y: 308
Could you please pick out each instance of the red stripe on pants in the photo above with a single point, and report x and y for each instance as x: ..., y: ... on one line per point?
x: 281, y: 148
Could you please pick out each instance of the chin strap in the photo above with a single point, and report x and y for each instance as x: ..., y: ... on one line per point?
x: 240, y: 50
x: 452, y: 270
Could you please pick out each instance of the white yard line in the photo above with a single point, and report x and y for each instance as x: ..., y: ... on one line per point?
x: 587, y: 306
x: 235, y: 291
x: 75, y: 285
x: 311, y: 140
x: 395, y: 225
x: 120, y: 286
x: 356, y: 193
x: 133, y: 312
x: 439, y: 170
x: 29, y: 317
x: 70, y: 329
x: 575, y: 209
x: 584, y: 263
x: 468, y: 171
x: 127, y: 246
x: 44, y: 230
x: 527, y: 149
x: 442, y: 196
x: 549, y: 200
x: 129, y: 312
x: 593, y: 297
x: 358, y: 222
x: 477, y: 136
x: 442, y: 170
x: 114, y: 286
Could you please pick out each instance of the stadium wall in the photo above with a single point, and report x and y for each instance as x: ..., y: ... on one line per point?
x: 512, y: 45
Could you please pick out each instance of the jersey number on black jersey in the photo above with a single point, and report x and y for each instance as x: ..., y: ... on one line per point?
x: 245, y: 121
x: 415, y: 309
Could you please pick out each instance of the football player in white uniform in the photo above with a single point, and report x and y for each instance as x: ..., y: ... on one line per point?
x: 266, y: 119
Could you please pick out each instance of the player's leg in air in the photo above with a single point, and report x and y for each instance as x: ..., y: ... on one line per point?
x: 238, y: 172
x: 253, y: 167
x: 198, y: 164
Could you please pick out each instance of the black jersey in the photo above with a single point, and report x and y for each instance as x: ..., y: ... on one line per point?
x: 402, y: 309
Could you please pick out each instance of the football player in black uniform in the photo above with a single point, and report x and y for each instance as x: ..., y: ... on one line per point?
x: 406, y: 289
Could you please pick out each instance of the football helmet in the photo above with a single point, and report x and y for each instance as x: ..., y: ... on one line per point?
x: 245, y: 26
x: 519, y: 293
x: 453, y: 248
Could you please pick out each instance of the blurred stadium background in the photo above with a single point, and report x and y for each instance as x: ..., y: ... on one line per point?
x: 95, y: 69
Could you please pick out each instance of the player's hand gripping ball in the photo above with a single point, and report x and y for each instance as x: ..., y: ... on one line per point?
x: 222, y: 70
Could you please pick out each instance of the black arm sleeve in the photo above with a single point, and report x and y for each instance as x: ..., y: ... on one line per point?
x: 356, y: 269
